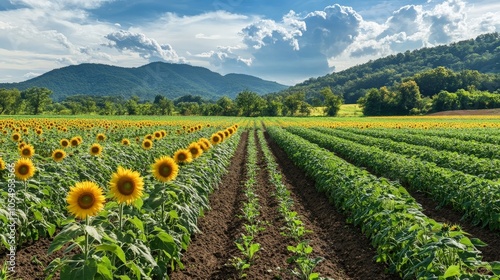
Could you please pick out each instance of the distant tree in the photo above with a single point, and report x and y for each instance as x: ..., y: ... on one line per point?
x: 332, y: 101
x: 164, y: 105
x: 274, y: 107
x: 132, y: 105
x: 408, y: 97
x: 10, y: 100
x: 37, y: 99
x: 188, y: 108
x: 189, y: 98
x: 294, y: 102
x: 226, y: 106
x: 250, y: 103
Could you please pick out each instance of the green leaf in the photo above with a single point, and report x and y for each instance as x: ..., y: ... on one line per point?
x: 495, y: 266
x: 92, y: 231
x: 137, y: 223
x: 453, y: 270
x: 104, y: 268
x: 113, y: 248
x: 66, y: 235
x: 313, y: 276
x: 138, y: 203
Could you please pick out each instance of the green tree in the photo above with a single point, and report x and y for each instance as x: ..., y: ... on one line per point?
x: 132, y: 105
x: 227, y: 106
x: 332, y: 101
x: 408, y: 97
x: 293, y: 102
x: 250, y: 103
x: 164, y: 105
x: 37, y: 99
x: 10, y: 100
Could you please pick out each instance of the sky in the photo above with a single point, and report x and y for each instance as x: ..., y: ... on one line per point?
x: 283, y: 41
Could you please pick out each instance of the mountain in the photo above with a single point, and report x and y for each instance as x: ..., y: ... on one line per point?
x: 170, y: 80
x: 481, y: 54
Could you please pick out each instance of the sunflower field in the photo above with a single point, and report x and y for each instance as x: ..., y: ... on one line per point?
x: 120, y: 198
x: 257, y: 198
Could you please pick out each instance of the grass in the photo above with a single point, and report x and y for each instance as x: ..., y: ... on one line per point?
x: 346, y: 110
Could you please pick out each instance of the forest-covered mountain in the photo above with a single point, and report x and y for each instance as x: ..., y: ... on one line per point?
x: 169, y: 80
x: 481, y: 54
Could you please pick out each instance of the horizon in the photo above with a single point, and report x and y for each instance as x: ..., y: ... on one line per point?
x: 286, y: 44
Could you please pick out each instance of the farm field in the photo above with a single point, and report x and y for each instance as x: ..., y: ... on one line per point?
x: 256, y: 198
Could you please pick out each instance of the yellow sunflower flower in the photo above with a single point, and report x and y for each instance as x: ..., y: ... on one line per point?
x: 58, y: 155
x: 125, y: 142
x: 100, y: 137
x: 24, y: 169
x: 183, y: 156
x: 195, y: 149
x: 85, y: 199
x: 147, y: 144
x: 95, y: 149
x: 165, y: 169
x: 126, y: 185
x: 27, y: 151
x: 2, y: 164
x: 16, y: 137
x: 74, y: 142
x: 64, y: 143
x: 215, y: 139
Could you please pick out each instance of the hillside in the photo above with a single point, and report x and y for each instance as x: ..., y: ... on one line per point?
x: 482, y: 54
x: 170, y: 80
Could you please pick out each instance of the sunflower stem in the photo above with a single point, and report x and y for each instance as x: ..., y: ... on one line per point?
x: 86, y: 249
x: 121, y: 216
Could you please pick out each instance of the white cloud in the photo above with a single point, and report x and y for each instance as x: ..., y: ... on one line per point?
x: 40, y: 35
x: 147, y: 48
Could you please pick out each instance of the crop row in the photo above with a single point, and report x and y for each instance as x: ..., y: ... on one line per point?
x: 294, y: 227
x: 477, y: 198
x: 479, y: 135
x: 481, y: 167
x: 482, y: 150
x: 414, y: 246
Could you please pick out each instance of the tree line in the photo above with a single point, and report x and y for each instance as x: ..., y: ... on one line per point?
x: 37, y: 100
x: 434, y: 90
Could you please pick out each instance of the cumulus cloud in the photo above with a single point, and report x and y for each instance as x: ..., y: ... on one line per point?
x: 147, y: 48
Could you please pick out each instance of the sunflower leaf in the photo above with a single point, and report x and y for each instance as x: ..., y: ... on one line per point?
x: 92, y: 231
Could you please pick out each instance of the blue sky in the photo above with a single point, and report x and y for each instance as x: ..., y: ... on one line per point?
x: 283, y: 41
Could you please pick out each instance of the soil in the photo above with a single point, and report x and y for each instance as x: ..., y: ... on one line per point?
x: 32, y: 259
x: 346, y: 251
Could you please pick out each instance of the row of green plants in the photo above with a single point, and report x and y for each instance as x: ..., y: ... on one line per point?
x: 480, y: 135
x: 477, y: 198
x: 413, y: 245
x: 140, y: 238
x: 482, y: 167
x: 246, y: 243
x: 302, y: 252
x: 481, y: 150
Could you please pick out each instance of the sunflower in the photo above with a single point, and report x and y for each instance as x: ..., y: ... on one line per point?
x: 74, y: 142
x: 215, y: 139
x: 204, y: 144
x: 222, y: 136
x: 24, y: 169
x: 95, y: 149
x: 58, y: 155
x: 100, y: 137
x: 195, y: 149
x: 39, y: 131
x: 64, y: 142
x: 16, y: 137
x: 27, y: 151
x: 2, y: 164
x: 183, y: 156
x: 126, y: 185
x: 125, y: 142
x: 165, y: 169
x: 157, y: 134
x: 85, y: 199
x: 147, y: 144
